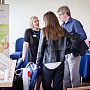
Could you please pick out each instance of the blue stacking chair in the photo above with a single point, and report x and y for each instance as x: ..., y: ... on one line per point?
x: 18, y: 49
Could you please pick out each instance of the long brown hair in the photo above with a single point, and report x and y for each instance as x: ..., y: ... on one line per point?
x: 52, y: 29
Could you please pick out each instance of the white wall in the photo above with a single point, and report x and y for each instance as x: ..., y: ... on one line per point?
x: 21, y: 10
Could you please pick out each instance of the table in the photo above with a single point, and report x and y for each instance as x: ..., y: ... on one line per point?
x: 85, y: 65
x: 9, y: 81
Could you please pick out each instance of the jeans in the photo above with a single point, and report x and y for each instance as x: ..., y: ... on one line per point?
x: 33, y: 79
x: 35, y: 73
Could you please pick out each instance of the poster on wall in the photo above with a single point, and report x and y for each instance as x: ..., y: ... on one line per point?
x: 4, y: 29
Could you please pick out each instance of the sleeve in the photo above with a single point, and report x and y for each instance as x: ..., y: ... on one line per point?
x: 27, y: 35
x: 74, y: 39
x: 78, y: 28
x: 72, y: 42
x: 41, y: 49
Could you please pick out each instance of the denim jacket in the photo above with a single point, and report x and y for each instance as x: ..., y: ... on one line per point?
x: 50, y: 51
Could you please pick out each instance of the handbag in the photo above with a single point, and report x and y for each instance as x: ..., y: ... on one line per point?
x: 18, y: 81
x: 23, y: 76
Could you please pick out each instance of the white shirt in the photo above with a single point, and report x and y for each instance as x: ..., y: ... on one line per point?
x: 52, y: 65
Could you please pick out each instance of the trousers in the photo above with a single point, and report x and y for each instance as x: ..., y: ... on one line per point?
x: 71, y: 71
x: 54, y: 77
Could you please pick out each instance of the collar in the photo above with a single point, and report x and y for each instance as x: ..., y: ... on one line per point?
x: 69, y: 20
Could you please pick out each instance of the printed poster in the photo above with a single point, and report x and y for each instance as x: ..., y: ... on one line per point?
x: 4, y: 29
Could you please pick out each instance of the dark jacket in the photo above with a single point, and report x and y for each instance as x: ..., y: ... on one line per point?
x: 81, y: 49
x: 50, y: 51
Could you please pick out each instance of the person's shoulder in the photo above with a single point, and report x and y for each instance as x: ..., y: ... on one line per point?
x: 75, y: 21
x: 28, y: 30
x: 64, y: 31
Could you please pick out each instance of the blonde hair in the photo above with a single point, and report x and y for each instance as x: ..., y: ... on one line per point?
x: 31, y: 21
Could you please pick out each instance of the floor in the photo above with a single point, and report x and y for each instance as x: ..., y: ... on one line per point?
x: 83, y: 84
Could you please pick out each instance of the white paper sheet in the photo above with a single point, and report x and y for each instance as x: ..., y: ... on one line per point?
x: 6, y: 63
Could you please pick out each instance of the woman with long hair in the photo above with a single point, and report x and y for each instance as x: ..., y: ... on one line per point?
x: 51, y: 52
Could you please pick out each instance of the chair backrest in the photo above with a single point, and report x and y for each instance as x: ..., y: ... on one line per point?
x: 19, y: 44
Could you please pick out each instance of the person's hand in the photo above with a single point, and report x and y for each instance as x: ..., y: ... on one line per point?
x: 19, y: 63
x: 38, y: 66
x: 19, y: 60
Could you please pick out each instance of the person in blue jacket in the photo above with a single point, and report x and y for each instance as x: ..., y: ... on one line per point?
x: 72, y: 59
